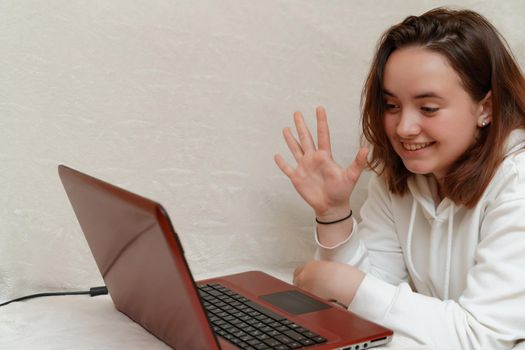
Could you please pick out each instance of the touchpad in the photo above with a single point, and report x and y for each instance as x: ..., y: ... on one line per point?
x: 294, y: 302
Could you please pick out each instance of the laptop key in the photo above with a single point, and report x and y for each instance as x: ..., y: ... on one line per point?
x: 247, y: 338
x: 249, y: 329
x: 306, y: 341
x: 271, y: 342
x: 253, y: 342
x: 284, y: 339
x: 266, y: 329
x: 309, y: 334
x: 282, y: 328
x: 255, y: 333
x: 273, y: 333
x: 281, y: 347
x: 302, y: 330
x: 261, y: 347
x: 319, y: 339
x: 263, y: 337
x: 294, y: 335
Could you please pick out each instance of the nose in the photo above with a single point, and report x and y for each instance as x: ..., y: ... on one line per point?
x: 408, y: 124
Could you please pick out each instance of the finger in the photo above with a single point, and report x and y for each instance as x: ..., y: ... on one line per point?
x: 298, y: 270
x: 323, y: 133
x: 292, y: 143
x: 307, y: 142
x: 281, y: 163
x: 296, y: 274
x: 358, y: 165
x: 338, y: 304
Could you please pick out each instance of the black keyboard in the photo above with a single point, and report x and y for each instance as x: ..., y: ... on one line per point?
x: 251, y: 326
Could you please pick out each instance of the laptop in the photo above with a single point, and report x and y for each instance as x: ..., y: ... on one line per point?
x: 141, y: 260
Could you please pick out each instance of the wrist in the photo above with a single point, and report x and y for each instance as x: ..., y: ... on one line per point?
x: 333, y: 214
x: 347, y: 292
x: 336, y: 221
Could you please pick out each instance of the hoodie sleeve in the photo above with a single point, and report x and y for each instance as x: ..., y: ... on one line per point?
x: 373, y: 245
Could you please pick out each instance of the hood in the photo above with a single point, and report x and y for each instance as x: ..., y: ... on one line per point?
x: 515, y: 142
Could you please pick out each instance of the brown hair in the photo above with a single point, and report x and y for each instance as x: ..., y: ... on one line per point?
x: 481, y: 58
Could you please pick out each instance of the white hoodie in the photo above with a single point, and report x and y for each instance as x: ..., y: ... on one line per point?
x: 446, y: 276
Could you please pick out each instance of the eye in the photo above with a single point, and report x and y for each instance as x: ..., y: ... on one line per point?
x: 429, y: 110
x: 391, y: 107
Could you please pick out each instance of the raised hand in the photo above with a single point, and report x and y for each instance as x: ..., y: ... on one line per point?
x: 323, y: 184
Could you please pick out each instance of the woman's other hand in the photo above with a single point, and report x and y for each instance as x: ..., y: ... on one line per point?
x: 329, y: 280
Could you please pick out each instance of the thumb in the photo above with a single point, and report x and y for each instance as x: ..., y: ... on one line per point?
x: 296, y: 274
x: 358, y: 165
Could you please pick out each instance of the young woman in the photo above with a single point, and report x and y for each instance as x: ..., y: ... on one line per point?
x: 439, y: 255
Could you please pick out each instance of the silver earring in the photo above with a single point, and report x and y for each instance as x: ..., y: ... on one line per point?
x: 484, y: 124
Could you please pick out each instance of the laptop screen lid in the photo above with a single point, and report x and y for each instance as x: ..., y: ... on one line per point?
x: 121, y: 229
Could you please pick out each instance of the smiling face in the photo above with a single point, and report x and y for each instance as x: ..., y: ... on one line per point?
x: 430, y: 119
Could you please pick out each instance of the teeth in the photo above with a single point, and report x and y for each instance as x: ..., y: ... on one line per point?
x: 415, y: 146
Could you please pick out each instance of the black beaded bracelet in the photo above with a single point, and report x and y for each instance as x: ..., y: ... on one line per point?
x: 334, y: 222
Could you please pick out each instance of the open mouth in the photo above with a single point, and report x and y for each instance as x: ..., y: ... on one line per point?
x: 416, y: 146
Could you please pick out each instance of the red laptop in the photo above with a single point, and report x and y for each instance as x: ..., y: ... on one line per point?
x: 142, y: 263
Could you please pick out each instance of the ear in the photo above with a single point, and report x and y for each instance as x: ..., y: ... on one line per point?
x: 485, y: 110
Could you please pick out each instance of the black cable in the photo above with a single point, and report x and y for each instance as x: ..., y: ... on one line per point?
x: 92, y: 292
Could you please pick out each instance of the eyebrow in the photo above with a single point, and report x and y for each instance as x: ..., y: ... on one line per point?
x: 417, y: 97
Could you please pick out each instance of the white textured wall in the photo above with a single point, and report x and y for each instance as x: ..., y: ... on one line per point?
x: 183, y: 102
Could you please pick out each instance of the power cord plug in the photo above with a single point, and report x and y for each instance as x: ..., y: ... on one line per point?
x: 94, y: 291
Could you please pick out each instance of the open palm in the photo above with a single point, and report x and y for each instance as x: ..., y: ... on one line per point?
x: 323, y: 184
